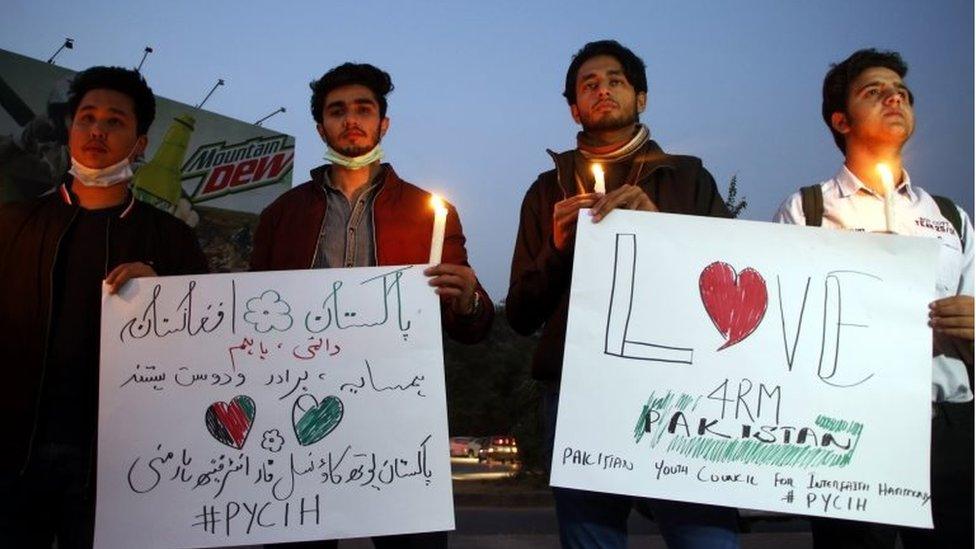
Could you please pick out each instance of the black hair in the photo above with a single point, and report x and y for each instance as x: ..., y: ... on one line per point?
x: 125, y: 81
x: 377, y: 80
x: 837, y: 83
x: 634, y: 68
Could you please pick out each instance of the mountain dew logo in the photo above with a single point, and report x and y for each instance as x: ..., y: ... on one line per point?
x: 225, y: 169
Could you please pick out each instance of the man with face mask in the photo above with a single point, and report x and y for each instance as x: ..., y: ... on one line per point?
x: 606, y: 88
x: 55, y: 253
x: 357, y: 212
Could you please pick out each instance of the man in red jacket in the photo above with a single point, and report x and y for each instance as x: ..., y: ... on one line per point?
x: 356, y: 212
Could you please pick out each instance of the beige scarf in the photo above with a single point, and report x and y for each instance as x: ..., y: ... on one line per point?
x: 625, y: 150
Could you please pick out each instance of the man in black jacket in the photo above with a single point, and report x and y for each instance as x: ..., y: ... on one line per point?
x: 606, y: 88
x: 55, y: 253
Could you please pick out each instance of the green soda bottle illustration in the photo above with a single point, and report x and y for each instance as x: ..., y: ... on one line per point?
x: 158, y: 182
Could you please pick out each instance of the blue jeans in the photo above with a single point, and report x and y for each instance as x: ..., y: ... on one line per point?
x: 599, y: 520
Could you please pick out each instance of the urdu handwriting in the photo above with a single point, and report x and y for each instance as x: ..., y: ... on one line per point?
x: 184, y: 319
x: 219, y: 473
x: 359, y: 384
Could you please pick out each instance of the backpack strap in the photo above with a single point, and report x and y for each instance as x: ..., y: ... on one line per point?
x: 949, y: 211
x: 813, y: 209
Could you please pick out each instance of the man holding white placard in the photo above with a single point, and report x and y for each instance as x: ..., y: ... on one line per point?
x: 869, y: 111
x: 356, y: 212
x: 606, y: 88
x: 56, y: 252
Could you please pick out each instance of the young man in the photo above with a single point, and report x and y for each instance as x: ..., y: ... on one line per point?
x: 55, y: 253
x: 868, y: 108
x: 606, y: 88
x: 356, y: 212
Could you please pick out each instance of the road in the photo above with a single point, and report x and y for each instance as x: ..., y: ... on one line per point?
x: 483, y: 527
x: 470, y: 469
x: 536, y: 528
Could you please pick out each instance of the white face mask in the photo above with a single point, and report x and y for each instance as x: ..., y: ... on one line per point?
x: 354, y: 163
x: 108, y: 176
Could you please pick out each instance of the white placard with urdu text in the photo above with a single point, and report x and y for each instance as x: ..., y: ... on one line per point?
x: 252, y: 408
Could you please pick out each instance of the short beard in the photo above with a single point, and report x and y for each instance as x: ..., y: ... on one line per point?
x: 610, y: 123
x: 352, y: 152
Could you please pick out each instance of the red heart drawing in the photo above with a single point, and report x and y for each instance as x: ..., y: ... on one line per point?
x: 231, y: 423
x: 736, y: 304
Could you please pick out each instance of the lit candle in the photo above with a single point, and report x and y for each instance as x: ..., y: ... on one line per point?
x: 440, y: 221
x: 889, y: 199
x: 599, y: 185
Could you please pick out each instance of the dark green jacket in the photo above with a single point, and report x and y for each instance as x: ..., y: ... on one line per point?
x: 538, y: 293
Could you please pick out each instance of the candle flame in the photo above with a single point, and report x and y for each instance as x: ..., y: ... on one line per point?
x: 437, y: 203
x: 886, y: 177
x: 599, y: 184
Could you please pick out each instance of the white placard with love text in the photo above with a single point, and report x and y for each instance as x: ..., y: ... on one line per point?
x: 252, y: 408
x: 751, y: 365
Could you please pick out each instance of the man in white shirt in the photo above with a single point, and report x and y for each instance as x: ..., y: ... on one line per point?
x: 868, y: 109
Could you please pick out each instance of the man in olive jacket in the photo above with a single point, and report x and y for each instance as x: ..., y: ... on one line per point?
x: 606, y: 88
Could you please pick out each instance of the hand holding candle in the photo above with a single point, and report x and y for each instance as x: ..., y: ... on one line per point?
x: 599, y: 185
x: 889, y: 200
x: 455, y: 283
x: 440, y: 221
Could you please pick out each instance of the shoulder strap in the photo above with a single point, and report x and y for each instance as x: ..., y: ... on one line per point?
x: 950, y: 212
x: 812, y: 198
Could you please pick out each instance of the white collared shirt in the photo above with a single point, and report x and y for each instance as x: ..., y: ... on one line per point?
x: 849, y: 204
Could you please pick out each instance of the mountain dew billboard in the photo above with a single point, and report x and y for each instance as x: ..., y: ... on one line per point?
x: 221, y: 169
x: 213, y: 172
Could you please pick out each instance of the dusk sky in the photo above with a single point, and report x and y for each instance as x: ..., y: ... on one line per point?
x: 478, y: 85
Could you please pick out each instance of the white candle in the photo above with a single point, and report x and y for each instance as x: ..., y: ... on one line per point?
x: 889, y: 199
x: 440, y: 221
x: 599, y: 185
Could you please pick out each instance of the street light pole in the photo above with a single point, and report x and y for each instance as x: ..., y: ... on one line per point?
x: 145, y: 54
x: 220, y: 82
x: 280, y: 109
x: 69, y: 43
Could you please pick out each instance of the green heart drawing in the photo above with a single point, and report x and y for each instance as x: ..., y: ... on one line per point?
x: 317, y: 420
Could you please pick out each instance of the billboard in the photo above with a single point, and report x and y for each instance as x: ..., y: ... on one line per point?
x: 214, y: 172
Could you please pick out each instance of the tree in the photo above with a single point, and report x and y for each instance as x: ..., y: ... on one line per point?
x: 733, y: 203
x: 490, y: 390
